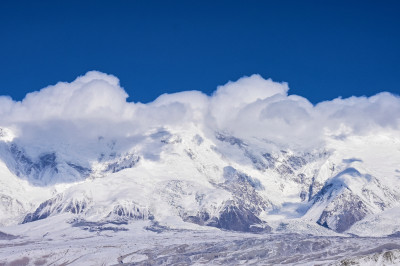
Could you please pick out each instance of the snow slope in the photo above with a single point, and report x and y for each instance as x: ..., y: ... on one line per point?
x: 179, y: 176
x: 76, y: 158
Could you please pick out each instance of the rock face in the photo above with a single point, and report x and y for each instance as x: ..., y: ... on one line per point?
x: 232, y: 216
x: 124, y: 162
x: 131, y: 211
x: 57, y: 205
x: 237, y: 218
x: 44, y: 167
x: 348, y: 198
x: 82, y: 205
x: 343, y: 211
x: 48, y: 169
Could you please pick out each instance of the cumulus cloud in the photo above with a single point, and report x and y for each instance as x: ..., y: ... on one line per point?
x: 77, y: 113
x: 95, y: 94
x: 230, y: 99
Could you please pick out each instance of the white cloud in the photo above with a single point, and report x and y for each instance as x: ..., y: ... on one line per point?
x: 228, y: 100
x: 75, y: 114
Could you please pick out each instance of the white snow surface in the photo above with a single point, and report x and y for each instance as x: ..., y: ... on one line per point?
x: 80, y: 163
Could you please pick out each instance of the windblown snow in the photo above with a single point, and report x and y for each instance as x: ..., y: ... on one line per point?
x: 227, y: 173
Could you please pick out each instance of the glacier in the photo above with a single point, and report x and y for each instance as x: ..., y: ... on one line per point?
x: 248, y: 175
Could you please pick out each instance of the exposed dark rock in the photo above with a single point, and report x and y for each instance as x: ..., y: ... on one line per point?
x: 296, y: 162
x: 325, y: 192
x: 44, y: 169
x: 257, y: 161
x: 166, y: 137
x: 343, y: 211
x: 191, y: 154
x: 239, y: 214
x: 56, y: 205
x: 76, y: 207
x: 97, y: 226
x: 303, y: 195
x: 47, y: 160
x: 270, y: 160
x: 238, y: 218
x: 43, y: 211
x: 84, y: 171
x: 25, y: 166
x: 23, y: 163
x: 124, y: 162
x: 232, y: 217
x: 201, y: 218
x: 132, y: 212
x: 314, y: 188
x: 284, y: 170
x: 231, y: 140
x: 231, y: 176
x: 157, y: 228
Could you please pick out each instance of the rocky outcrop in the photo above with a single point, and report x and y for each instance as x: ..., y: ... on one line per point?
x: 343, y: 211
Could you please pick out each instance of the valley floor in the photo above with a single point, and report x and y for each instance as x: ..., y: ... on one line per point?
x: 143, y: 243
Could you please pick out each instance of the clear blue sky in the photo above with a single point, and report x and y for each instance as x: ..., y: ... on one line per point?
x: 324, y: 49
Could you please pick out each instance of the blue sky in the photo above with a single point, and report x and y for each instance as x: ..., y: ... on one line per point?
x: 323, y: 49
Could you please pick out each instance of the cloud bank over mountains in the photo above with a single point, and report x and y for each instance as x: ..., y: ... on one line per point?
x: 95, y: 105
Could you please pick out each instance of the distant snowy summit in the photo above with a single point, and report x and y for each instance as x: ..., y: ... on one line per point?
x: 249, y: 158
x: 221, y: 181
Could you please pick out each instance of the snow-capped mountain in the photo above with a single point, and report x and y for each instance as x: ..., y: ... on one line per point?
x: 219, y: 180
x: 247, y: 159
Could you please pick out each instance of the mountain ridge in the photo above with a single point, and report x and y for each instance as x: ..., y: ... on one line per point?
x: 332, y: 194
